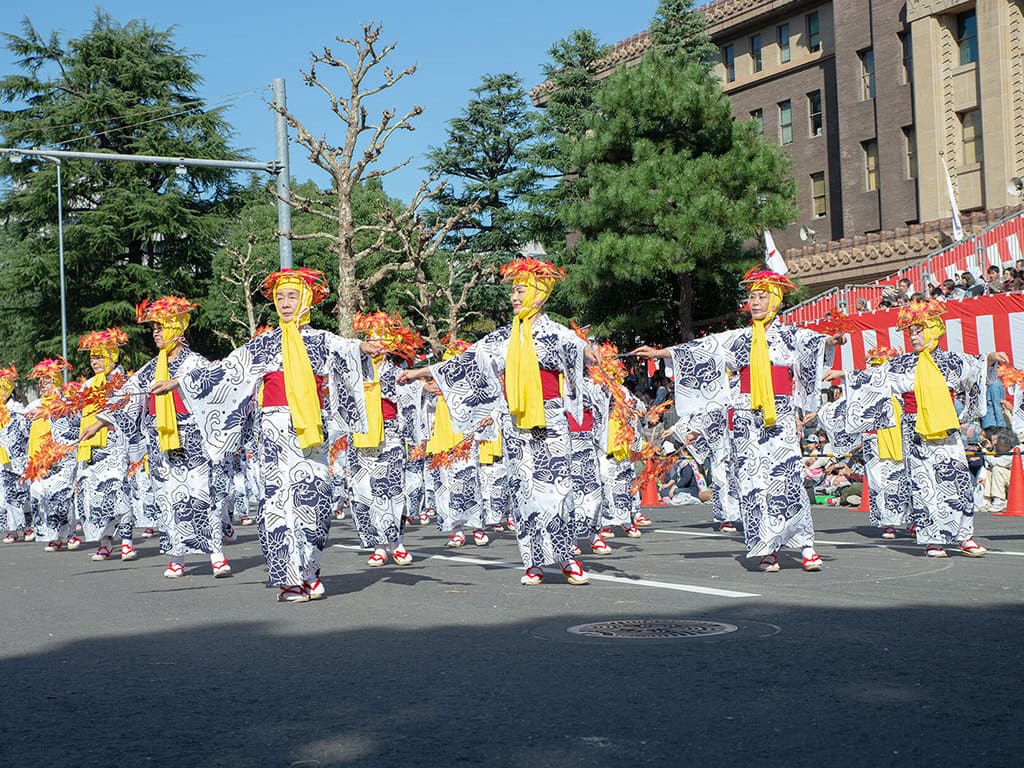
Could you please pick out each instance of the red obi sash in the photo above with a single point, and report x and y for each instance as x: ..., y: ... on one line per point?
x: 782, y: 380
x: 389, y: 409
x: 273, y: 390
x: 549, y: 384
x: 585, y: 426
x: 179, y: 405
x: 910, y: 401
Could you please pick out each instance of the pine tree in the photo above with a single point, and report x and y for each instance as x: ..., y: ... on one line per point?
x: 130, y: 230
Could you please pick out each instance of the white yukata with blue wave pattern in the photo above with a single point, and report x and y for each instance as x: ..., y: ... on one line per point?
x: 774, y: 506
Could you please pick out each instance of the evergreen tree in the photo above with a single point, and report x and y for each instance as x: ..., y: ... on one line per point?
x: 673, y: 188
x: 130, y: 230
x: 488, y: 166
x: 681, y: 33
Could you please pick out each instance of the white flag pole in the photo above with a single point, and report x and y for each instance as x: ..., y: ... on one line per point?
x: 772, y: 258
x: 958, y: 229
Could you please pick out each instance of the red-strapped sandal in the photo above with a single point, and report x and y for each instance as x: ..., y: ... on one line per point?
x: 174, y: 570
x: 377, y: 559
x: 74, y: 543
x: 935, y: 550
x: 812, y: 563
x: 401, y: 556
x: 480, y: 538
x: 29, y: 535
x: 128, y: 552
x: 574, y: 573
x: 769, y: 564
x: 532, y: 577
x: 600, y: 547
x: 11, y: 537
x: 315, y: 590
x: 102, y: 553
x: 54, y: 546
x: 971, y: 548
x: 889, y: 533
x: 292, y: 594
x: 727, y: 527
x: 221, y: 569
x: 456, y: 540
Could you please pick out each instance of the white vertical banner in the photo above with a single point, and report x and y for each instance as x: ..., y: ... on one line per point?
x: 870, y: 338
x: 951, y: 272
x: 896, y: 339
x: 772, y: 258
x: 985, y: 325
x: 1016, y: 339
x: 954, y: 335
x: 974, y: 265
x: 958, y: 229
x: 994, y: 259
x: 1013, y: 246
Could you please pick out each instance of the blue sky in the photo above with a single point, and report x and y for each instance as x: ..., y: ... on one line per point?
x: 244, y: 45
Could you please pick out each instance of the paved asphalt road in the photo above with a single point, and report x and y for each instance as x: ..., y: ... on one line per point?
x: 883, y: 658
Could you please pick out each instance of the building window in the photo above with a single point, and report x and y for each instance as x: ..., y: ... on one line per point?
x: 867, y: 73
x: 786, y: 122
x: 729, y: 62
x: 755, y: 53
x: 813, y: 33
x: 970, y: 125
x: 818, y: 207
x: 908, y: 57
x: 815, y: 123
x: 870, y: 164
x: 967, y: 37
x: 910, y: 143
x: 783, y: 43
x: 758, y: 117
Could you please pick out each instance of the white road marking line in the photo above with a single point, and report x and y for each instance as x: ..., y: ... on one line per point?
x: 594, y: 576
x: 860, y: 544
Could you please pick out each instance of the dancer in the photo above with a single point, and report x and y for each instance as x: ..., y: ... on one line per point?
x: 779, y: 370
x: 376, y: 456
x: 925, y: 381
x: 13, y: 456
x: 102, y: 495
x: 180, y: 471
x: 526, y: 376
x: 306, y: 384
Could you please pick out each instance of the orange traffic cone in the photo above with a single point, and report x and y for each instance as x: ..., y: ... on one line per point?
x: 649, y: 493
x: 865, y: 503
x: 1015, y: 493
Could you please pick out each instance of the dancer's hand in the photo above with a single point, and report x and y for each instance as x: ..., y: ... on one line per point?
x: 649, y: 353
x: 163, y: 387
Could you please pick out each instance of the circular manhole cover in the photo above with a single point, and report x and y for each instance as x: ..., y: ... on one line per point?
x: 652, y: 629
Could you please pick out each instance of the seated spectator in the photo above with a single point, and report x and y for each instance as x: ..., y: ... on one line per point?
x: 1015, y: 283
x: 905, y: 287
x: 994, y: 477
x: 970, y: 285
x: 683, y: 484
x: 863, y: 305
x: 952, y: 291
x: 992, y: 282
x: 844, y: 485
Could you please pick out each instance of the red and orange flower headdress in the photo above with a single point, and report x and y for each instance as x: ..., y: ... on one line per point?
x: 529, y: 267
x: 758, y: 279
x: 111, y: 338
x: 923, y: 313
x: 878, y: 355
x: 313, y: 278
x: 50, y: 368
x: 389, y: 329
x: 163, y: 309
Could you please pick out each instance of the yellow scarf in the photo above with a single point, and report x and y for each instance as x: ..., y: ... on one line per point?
x: 490, y: 450
x: 299, y: 381
x: 166, y: 418
x: 39, y: 431
x: 936, y: 416
x: 617, y: 448
x: 762, y: 394
x: 5, y: 419
x: 522, y: 371
x: 373, y: 436
x: 99, y: 440
x: 443, y: 436
x: 890, y: 440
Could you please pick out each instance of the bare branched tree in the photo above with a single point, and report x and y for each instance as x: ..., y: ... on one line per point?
x: 443, y: 273
x: 243, y: 274
x: 353, y: 161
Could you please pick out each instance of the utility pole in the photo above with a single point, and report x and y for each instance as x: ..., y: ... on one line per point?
x: 284, y: 210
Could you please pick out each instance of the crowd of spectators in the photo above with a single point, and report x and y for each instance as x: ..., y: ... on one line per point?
x: 966, y: 285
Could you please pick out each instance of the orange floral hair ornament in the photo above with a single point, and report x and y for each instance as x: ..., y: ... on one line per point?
x: 51, y: 368
x: 923, y: 313
x: 8, y: 376
x: 529, y: 267
x: 1010, y: 376
x: 389, y: 329
x: 313, y: 278
x: 453, y: 346
x: 759, y: 279
x: 107, y: 339
x: 878, y: 355
x: 261, y: 329
x: 163, y: 309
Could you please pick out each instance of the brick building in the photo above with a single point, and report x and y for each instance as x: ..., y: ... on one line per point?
x: 867, y: 96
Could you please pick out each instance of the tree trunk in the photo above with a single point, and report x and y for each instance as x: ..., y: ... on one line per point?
x: 685, y: 316
x: 348, y: 300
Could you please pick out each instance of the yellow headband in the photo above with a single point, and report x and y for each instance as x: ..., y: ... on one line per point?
x: 305, y: 296
x: 774, y: 297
